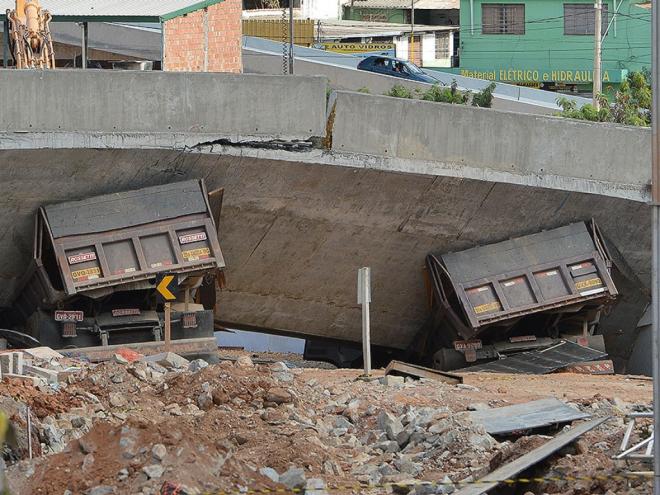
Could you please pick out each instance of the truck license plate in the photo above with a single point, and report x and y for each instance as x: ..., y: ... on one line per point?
x: 126, y: 312
x: 465, y: 345
x: 69, y: 315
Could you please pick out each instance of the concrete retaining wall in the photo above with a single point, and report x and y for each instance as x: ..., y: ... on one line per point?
x: 233, y: 106
x: 493, y: 142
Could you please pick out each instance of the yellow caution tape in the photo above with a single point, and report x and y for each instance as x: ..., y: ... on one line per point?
x: 458, y: 484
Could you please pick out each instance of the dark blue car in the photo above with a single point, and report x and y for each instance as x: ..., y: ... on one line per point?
x: 395, y: 67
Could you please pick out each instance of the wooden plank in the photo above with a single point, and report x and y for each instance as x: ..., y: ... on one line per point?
x: 512, y: 469
x: 407, y: 369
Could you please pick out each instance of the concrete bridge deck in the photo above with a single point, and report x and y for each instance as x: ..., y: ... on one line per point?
x: 314, y: 190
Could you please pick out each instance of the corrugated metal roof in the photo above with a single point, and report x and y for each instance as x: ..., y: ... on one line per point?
x: 405, y: 4
x: 116, y: 10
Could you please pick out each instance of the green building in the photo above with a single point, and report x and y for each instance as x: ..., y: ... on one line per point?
x: 550, y: 43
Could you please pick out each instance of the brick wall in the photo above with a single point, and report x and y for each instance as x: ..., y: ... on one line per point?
x: 205, y: 40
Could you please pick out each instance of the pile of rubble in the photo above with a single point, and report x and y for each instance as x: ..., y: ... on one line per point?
x: 141, y: 425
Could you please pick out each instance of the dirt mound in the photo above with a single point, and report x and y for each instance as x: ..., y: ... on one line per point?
x: 231, y: 426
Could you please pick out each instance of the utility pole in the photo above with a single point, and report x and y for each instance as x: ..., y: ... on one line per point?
x: 655, y: 206
x: 291, y: 34
x: 411, y: 51
x: 597, y: 88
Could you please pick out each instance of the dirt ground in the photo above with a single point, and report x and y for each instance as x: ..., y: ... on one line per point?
x: 134, y: 428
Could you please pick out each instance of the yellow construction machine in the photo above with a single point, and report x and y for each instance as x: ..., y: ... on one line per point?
x: 30, y: 42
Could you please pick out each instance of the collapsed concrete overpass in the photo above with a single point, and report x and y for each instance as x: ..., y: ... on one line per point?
x: 316, y: 189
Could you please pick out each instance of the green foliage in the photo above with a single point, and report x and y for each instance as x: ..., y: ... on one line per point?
x: 445, y: 95
x: 586, y: 112
x: 484, y: 98
x: 631, y: 105
x: 399, y: 91
x: 365, y: 90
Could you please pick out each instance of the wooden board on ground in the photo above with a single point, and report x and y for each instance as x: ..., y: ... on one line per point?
x: 407, y: 369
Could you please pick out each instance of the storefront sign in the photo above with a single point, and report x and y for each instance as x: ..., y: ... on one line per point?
x: 358, y: 47
x: 540, y: 76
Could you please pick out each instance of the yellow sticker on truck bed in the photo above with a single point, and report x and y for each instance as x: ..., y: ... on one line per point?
x: 485, y: 308
x: 585, y: 284
x: 86, y: 274
x: 196, y: 254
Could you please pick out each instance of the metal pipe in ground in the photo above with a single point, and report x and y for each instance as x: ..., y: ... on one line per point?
x: 29, y: 432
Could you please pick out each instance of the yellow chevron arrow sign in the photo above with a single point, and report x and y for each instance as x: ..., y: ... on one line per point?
x: 166, y: 289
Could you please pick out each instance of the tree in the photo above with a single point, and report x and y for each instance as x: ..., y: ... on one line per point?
x: 631, y: 105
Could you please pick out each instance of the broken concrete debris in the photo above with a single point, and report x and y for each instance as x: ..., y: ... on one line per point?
x: 167, y: 360
x: 138, y: 426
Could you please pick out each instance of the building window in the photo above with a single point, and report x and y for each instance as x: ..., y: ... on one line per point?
x: 503, y: 18
x: 580, y: 18
x: 442, y: 45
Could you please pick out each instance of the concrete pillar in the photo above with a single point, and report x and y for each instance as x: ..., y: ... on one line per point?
x: 6, y: 363
x: 17, y: 365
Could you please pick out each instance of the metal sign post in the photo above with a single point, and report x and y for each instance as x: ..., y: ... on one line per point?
x: 168, y: 327
x: 655, y: 193
x: 364, y: 298
x: 167, y: 288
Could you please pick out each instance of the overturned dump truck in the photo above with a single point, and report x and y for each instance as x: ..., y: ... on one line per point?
x: 92, y: 278
x: 516, y: 295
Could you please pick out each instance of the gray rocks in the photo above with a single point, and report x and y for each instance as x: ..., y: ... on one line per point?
x: 159, y: 451
x: 391, y: 380
x: 153, y: 471
x: 101, y: 490
x: 342, y: 422
x: 281, y: 372
x: 482, y: 441
x: 88, y: 462
x: 117, y: 399
x: 197, y: 365
x: 388, y: 446
x: 244, y: 362
x: 406, y: 466
x: 270, y: 473
x: 204, y: 401
x: 168, y: 360
x: 293, y: 478
x: 392, y: 427
x: 53, y: 437
x: 118, y: 358
x: 315, y: 486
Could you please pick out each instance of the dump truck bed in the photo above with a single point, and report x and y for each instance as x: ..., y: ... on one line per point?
x: 541, y: 272
x: 131, y: 236
x: 96, y: 263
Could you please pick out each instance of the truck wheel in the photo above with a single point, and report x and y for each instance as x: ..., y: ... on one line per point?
x: 447, y: 359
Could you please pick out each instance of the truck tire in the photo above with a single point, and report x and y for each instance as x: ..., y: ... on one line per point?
x: 447, y: 359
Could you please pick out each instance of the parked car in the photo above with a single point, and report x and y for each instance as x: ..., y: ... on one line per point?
x: 395, y: 67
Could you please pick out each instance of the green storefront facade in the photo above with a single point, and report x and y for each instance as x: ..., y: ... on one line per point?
x: 550, y: 43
